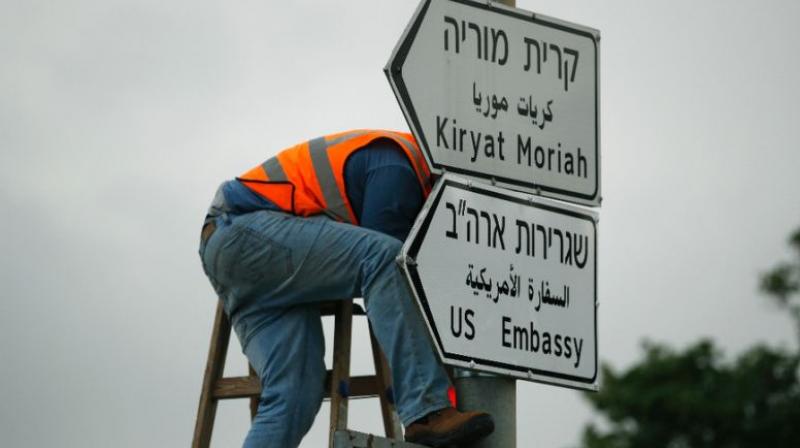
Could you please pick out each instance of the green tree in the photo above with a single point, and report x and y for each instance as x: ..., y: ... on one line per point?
x: 696, y: 399
x: 782, y: 282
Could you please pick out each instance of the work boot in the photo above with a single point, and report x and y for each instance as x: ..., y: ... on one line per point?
x: 448, y: 426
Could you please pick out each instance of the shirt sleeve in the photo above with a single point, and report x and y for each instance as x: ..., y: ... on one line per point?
x: 392, y: 201
x: 384, y: 190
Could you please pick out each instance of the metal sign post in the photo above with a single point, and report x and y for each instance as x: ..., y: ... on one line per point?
x: 502, y: 95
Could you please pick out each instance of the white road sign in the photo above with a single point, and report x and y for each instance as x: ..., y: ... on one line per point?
x: 502, y: 95
x: 507, y: 282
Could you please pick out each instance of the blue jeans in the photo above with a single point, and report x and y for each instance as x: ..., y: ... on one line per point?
x: 271, y: 270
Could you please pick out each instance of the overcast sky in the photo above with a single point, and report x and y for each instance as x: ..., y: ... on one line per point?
x: 119, y: 118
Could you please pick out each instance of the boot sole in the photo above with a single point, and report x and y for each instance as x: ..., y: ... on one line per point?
x: 471, y: 431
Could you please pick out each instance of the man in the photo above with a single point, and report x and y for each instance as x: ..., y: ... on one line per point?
x: 324, y: 220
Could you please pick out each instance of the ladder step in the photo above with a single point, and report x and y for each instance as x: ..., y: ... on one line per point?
x: 364, y: 386
x: 360, y: 386
x: 237, y: 387
x: 354, y: 439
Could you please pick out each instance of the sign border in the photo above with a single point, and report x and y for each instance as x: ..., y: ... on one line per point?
x: 408, y: 265
x: 394, y: 74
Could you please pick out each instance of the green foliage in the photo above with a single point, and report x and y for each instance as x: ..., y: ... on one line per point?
x: 782, y: 283
x: 694, y: 399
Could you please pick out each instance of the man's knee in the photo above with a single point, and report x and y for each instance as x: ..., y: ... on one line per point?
x: 390, y: 247
x: 383, y: 251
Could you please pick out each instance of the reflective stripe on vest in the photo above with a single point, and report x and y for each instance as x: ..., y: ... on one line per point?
x: 274, y: 170
x: 335, y: 206
x: 345, y: 137
x: 417, y: 162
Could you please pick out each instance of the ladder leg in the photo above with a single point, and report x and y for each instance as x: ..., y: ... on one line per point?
x: 220, y: 336
x: 391, y: 421
x: 340, y: 375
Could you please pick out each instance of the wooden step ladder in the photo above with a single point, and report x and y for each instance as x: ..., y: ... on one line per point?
x: 339, y: 385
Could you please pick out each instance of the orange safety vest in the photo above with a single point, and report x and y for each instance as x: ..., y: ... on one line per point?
x: 308, y: 179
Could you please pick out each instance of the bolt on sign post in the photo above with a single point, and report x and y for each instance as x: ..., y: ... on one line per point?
x: 502, y: 95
